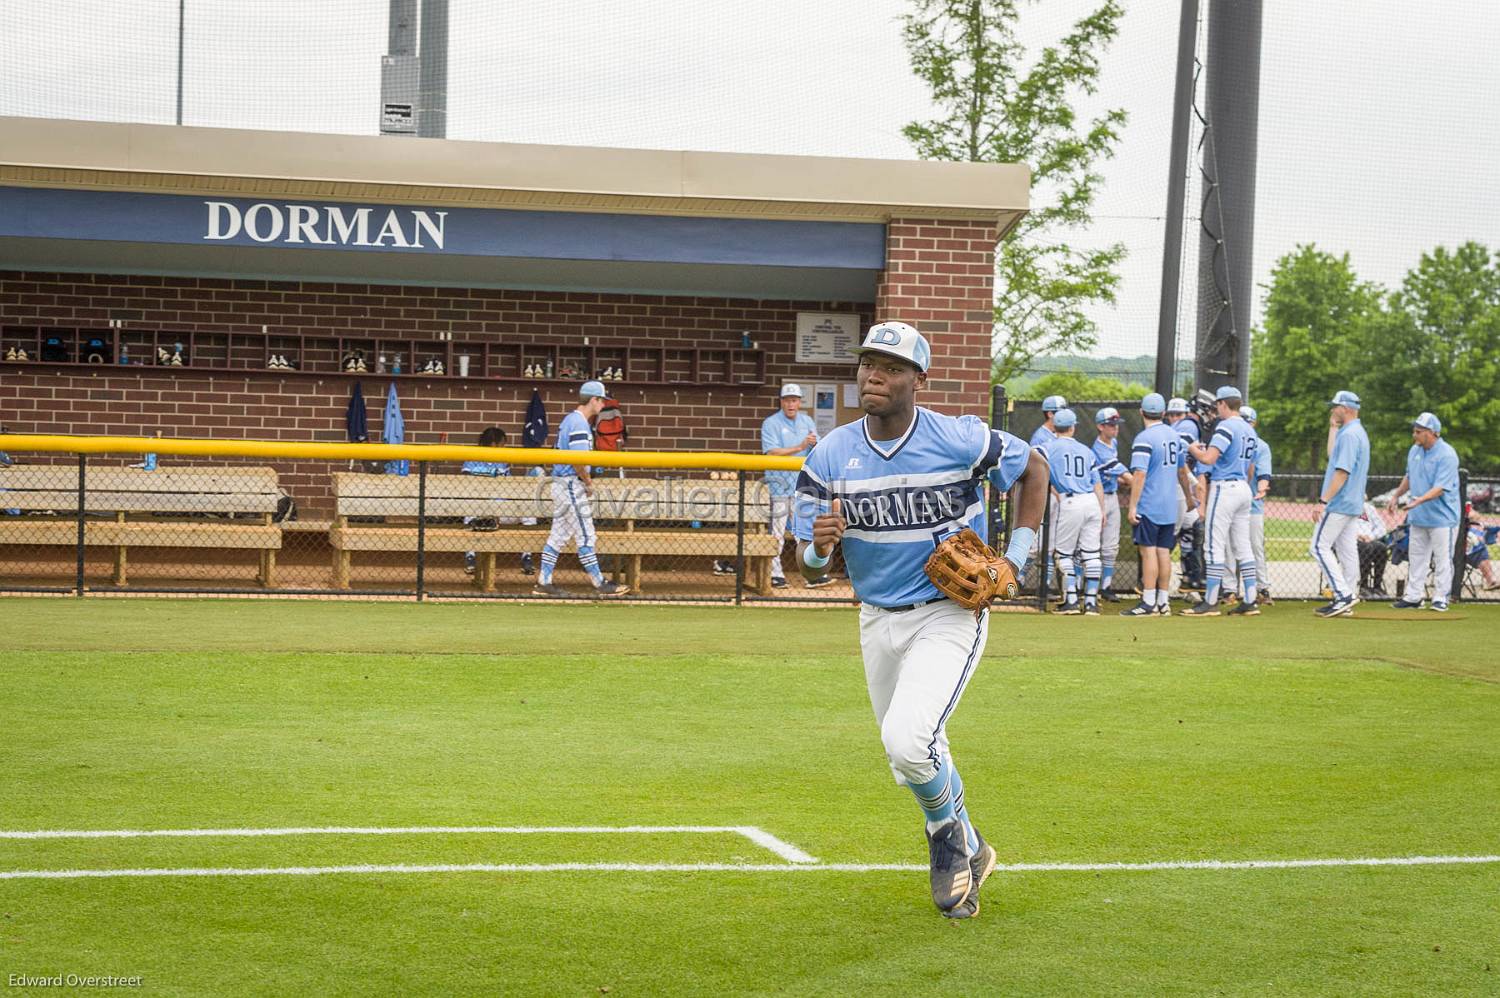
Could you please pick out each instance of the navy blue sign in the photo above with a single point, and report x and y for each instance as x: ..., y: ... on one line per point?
x: 325, y: 225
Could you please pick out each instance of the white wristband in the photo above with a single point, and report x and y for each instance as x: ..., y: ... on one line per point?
x: 811, y: 560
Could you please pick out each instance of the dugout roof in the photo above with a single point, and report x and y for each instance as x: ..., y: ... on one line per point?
x: 154, y: 199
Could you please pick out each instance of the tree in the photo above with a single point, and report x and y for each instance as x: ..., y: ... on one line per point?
x: 1436, y: 348
x: 1310, y: 345
x: 992, y: 107
x: 1079, y: 385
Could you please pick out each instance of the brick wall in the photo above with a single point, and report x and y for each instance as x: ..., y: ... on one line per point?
x: 940, y: 280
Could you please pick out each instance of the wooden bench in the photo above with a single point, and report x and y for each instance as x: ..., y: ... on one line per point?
x: 132, y: 507
x: 633, y: 517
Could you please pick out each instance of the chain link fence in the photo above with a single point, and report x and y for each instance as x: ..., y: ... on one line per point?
x: 430, y: 529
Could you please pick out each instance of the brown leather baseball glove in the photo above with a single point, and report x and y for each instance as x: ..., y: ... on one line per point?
x: 967, y: 571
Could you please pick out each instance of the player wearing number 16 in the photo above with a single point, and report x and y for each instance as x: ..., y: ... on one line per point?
x: 892, y: 488
x: 1226, y: 528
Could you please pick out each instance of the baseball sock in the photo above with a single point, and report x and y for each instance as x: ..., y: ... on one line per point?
x: 1247, y: 576
x: 1215, y: 580
x: 591, y: 565
x: 549, y: 562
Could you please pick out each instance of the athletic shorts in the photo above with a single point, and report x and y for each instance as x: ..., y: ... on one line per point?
x: 1149, y: 534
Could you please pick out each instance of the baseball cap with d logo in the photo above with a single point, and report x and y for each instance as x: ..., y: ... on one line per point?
x: 897, y: 339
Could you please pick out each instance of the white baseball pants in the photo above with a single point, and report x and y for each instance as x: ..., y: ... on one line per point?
x: 572, y: 514
x: 917, y: 663
x: 1337, y: 553
x: 1430, y: 545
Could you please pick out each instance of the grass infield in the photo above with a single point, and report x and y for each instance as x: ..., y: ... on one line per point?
x: 1080, y: 741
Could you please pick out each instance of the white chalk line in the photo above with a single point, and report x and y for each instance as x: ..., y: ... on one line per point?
x: 758, y: 836
x: 400, y: 868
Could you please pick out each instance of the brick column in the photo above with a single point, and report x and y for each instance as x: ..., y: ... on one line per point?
x: 940, y: 277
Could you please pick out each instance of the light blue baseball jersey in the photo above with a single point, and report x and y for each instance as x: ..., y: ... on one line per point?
x: 1236, y: 444
x: 776, y: 432
x: 1043, y: 436
x: 1351, y: 453
x: 1071, y: 466
x: 1107, y: 461
x: 1425, y: 471
x: 1261, y: 464
x: 574, y: 434
x: 1158, y: 451
x: 901, y: 497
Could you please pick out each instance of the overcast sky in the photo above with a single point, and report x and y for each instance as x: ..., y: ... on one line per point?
x: 1376, y: 134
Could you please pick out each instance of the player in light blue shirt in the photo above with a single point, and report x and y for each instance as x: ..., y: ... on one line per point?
x: 1432, y: 515
x: 1258, y: 470
x: 1047, y: 432
x: 572, y: 499
x: 1158, y: 462
x: 1340, y: 504
x: 788, y: 432
x: 889, y: 487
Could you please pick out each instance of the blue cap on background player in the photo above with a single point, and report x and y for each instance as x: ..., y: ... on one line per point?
x: 1428, y: 421
x: 897, y: 339
x: 1248, y: 414
x: 791, y: 389
x: 1153, y: 404
x: 1348, y: 399
x: 1227, y: 392
x: 1052, y: 403
x: 1176, y: 405
x: 592, y: 390
x: 1065, y: 419
x: 1109, y: 416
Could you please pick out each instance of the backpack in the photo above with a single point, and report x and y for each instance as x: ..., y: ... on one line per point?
x: 609, y: 429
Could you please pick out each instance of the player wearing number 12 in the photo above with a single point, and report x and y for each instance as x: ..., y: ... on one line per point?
x: 1226, y: 528
x: 891, y: 487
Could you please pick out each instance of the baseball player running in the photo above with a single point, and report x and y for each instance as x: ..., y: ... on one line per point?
x: 1432, y: 514
x: 1226, y: 531
x: 1080, y: 511
x: 1258, y: 469
x: 1158, y: 460
x: 1340, y: 502
x: 572, y: 499
x: 1112, y: 475
x: 890, y: 486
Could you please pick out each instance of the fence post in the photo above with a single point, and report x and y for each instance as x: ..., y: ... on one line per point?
x: 82, y: 475
x: 421, y: 530
x: 1460, y: 542
x: 739, y: 545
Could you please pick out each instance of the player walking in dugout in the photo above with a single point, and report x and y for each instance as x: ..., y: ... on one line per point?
x: 1226, y: 530
x: 1080, y: 513
x: 1158, y: 460
x: 1432, y: 515
x: 1340, y: 503
x: 572, y: 499
x: 1112, y: 476
x: 890, y: 486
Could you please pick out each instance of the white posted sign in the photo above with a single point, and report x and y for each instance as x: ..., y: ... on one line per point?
x: 826, y: 338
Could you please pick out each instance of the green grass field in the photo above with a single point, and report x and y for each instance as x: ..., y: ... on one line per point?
x: 1080, y: 740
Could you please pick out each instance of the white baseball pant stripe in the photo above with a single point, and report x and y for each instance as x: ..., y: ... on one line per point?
x: 781, y: 511
x: 917, y: 664
x: 1109, y: 530
x: 1227, y: 532
x: 572, y: 514
x: 1428, y: 545
x: 1337, y: 553
x: 1078, y: 521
